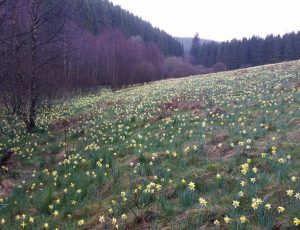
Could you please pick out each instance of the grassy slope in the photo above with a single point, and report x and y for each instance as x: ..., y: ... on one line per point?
x: 136, y: 151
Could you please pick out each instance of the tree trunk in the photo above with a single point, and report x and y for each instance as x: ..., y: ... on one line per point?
x: 33, y: 80
x: 17, y: 62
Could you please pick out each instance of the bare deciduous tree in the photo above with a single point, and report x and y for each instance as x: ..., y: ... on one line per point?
x: 29, y: 45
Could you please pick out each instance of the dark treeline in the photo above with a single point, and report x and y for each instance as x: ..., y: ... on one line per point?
x: 99, y: 15
x: 51, y: 48
x: 187, y: 43
x: 247, y: 52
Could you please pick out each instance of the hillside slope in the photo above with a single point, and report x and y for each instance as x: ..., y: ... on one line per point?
x: 216, y: 151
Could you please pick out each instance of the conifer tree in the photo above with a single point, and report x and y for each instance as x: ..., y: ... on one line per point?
x: 195, y: 49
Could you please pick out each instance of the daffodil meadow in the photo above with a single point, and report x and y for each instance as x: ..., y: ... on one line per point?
x: 219, y: 151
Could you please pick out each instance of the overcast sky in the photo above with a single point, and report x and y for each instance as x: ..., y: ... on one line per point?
x: 218, y: 20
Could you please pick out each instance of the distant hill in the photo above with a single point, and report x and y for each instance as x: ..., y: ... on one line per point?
x: 187, y: 43
x: 99, y: 15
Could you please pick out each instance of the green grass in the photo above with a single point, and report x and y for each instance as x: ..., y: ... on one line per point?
x: 132, y: 154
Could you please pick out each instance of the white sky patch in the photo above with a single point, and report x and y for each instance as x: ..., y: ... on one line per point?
x: 218, y: 20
